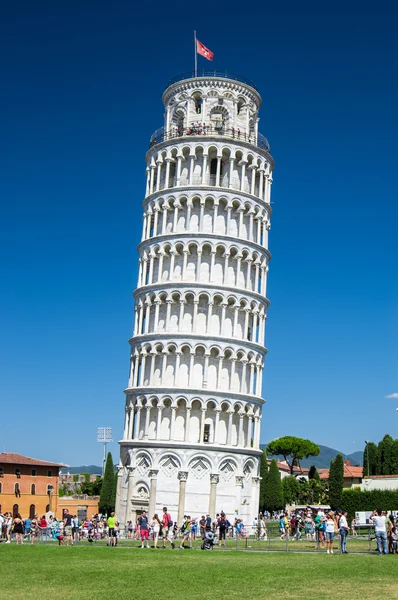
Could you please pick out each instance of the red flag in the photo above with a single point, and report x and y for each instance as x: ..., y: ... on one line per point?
x: 203, y: 51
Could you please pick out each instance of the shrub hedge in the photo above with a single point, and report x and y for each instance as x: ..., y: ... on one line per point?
x: 355, y: 500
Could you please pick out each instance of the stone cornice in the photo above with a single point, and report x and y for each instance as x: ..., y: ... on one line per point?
x: 191, y: 393
x: 213, y: 448
x: 201, y: 236
x: 165, y: 285
x: 226, y: 342
x: 225, y: 141
x: 197, y: 190
x: 194, y: 83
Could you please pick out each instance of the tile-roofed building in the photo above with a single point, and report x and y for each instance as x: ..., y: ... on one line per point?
x: 19, y: 459
x: 352, y: 475
x: 28, y: 486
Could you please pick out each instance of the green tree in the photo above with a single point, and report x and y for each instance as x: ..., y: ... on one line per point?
x: 336, y: 481
x: 91, y: 488
x: 263, y: 475
x: 313, y: 473
x: 370, y: 460
x: 293, y: 449
x: 385, y: 457
x: 107, y: 500
x: 291, y: 489
x: 273, y: 497
x: 394, y: 458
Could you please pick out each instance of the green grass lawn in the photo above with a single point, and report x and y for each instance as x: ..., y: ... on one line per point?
x: 99, y: 572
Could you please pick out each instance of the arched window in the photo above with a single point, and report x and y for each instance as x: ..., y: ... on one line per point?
x: 198, y: 103
x: 17, y: 490
x: 47, y: 508
x: 32, y: 511
x: 15, y: 510
x: 213, y: 166
x: 1, y: 488
x: 33, y: 489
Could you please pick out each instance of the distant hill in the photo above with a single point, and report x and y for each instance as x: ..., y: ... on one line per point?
x: 322, y: 461
x: 90, y: 469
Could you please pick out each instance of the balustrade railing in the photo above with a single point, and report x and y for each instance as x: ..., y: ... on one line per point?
x: 200, y: 129
x: 208, y: 74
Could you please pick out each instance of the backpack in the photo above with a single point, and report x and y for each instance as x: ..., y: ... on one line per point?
x: 169, y: 521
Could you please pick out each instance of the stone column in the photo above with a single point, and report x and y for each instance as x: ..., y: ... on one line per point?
x: 204, y: 172
x: 147, y: 416
x: 173, y: 420
x: 241, y: 433
x: 182, y: 476
x: 214, y: 479
x: 229, y: 431
x: 254, y: 498
x: 231, y: 170
x: 155, y: 220
x: 218, y: 171
x: 159, y: 422
x: 238, y: 493
x: 131, y: 422
x: 187, y: 421
x: 202, y: 425
x: 120, y: 470
x: 126, y: 423
x: 153, y: 474
x: 130, y: 491
x: 215, y: 438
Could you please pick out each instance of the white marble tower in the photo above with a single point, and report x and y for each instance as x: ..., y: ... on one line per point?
x: 193, y: 401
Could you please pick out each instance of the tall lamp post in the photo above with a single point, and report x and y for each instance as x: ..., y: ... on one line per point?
x: 104, y: 436
x: 367, y: 454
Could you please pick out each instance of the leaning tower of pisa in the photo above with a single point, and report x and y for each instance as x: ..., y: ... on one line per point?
x: 193, y: 402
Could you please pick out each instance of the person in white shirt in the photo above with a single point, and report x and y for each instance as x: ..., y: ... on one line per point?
x: 343, y: 530
x: 379, y: 521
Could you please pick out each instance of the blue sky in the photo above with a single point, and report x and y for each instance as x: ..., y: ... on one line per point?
x: 81, y: 94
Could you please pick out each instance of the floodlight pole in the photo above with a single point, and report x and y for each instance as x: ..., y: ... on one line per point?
x: 104, y: 435
x: 367, y: 454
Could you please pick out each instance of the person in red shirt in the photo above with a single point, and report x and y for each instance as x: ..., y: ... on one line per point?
x: 167, y: 528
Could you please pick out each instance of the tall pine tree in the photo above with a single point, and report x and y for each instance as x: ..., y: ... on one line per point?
x: 263, y: 482
x: 107, y: 499
x: 273, y: 497
x: 336, y: 481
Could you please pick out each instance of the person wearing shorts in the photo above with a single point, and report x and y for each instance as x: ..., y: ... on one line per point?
x: 111, y: 530
x: 167, y: 526
x: 330, y: 529
x: 144, y: 528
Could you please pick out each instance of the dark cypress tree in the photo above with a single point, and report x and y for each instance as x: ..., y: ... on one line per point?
x: 336, y: 481
x: 385, y: 455
x: 373, y: 458
x: 313, y: 473
x: 107, y: 501
x: 273, y: 497
x: 263, y: 482
x: 394, y: 458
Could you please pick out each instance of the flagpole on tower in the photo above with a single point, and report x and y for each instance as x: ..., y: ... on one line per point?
x: 196, y: 54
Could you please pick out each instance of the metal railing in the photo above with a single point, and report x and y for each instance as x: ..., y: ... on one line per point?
x: 246, y: 538
x: 208, y: 74
x: 160, y: 135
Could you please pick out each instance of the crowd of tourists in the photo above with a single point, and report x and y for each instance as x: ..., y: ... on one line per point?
x: 160, y: 530
x: 322, y: 527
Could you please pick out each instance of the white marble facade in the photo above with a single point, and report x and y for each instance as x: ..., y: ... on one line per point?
x: 193, y: 402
